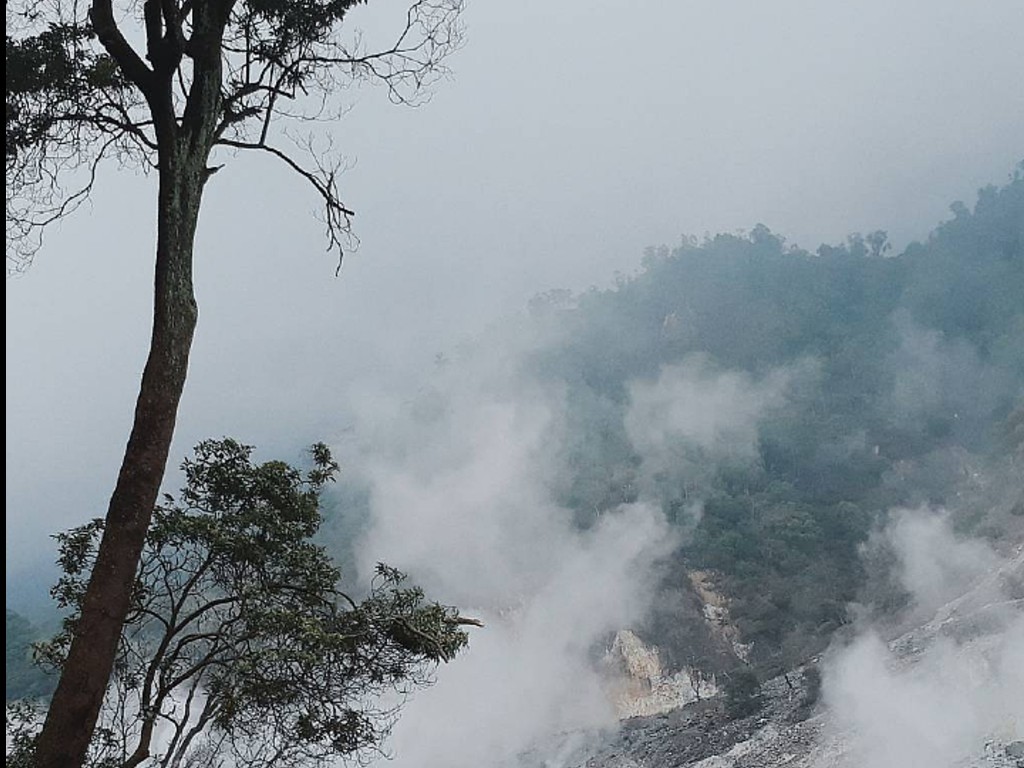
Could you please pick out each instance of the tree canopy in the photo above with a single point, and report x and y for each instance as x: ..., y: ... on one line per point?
x: 253, y: 75
x: 240, y: 643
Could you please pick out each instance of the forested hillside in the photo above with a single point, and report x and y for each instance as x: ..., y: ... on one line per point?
x: 776, y: 405
x: 856, y: 380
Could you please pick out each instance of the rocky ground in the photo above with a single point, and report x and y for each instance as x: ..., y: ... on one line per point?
x: 789, y: 731
x: 701, y: 736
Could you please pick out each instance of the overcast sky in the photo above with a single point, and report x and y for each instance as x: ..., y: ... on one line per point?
x: 572, y: 135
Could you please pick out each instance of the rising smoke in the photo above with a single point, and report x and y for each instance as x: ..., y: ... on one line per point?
x: 462, y: 474
x: 938, y: 694
x: 694, y: 416
x: 460, y: 479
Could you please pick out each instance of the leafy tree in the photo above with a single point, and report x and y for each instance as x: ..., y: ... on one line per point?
x: 742, y: 693
x: 239, y: 645
x: 164, y: 85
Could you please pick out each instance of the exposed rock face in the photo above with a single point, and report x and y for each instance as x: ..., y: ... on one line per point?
x: 641, y: 686
x: 700, y: 734
x: 787, y: 732
x: 716, y: 613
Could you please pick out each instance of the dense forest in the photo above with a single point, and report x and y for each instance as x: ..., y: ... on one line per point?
x: 859, y: 380
x: 853, y: 380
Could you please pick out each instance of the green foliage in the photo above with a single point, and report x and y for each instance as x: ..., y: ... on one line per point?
x: 50, y: 75
x: 742, y: 694
x: 283, y: 27
x: 21, y: 723
x: 238, y: 625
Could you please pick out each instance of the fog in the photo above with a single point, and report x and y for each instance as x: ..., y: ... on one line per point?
x: 695, y: 407
x: 954, y: 684
x: 569, y: 137
x: 931, y: 371
x: 462, y: 504
x: 462, y: 473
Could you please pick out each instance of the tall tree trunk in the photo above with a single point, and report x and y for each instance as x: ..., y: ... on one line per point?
x: 73, y: 712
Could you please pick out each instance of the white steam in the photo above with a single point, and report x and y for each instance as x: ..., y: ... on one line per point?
x: 695, y: 415
x: 936, y: 566
x: 459, y: 481
x: 935, y: 696
x: 935, y: 374
x: 694, y: 403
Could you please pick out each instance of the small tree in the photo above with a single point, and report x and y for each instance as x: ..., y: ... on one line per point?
x: 239, y: 648
x: 742, y: 693
x: 698, y: 678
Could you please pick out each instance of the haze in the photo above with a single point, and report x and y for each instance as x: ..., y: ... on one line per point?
x: 571, y: 136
